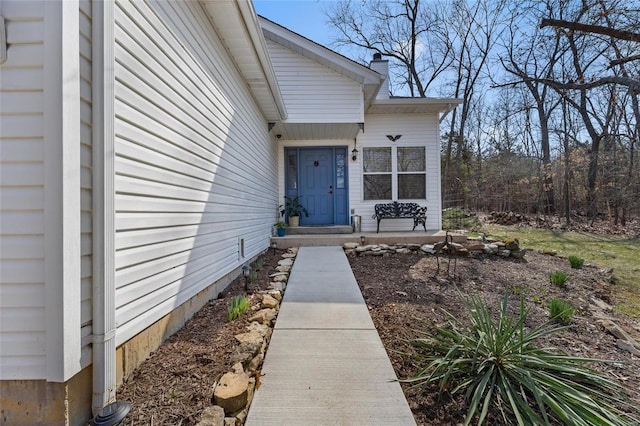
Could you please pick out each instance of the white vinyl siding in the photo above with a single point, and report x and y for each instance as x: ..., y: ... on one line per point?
x: 313, y: 93
x: 416, y: 130
x: 86, y: 171
x: 195, y: 167
x: 22, y: 290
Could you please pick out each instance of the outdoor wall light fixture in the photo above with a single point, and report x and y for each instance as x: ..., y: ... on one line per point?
x: 246, y: 271
x: 354, y: 153
x: 274, y: 246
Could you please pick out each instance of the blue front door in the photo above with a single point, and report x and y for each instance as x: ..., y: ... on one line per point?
x: 318, y: 177
x: 316, y: 184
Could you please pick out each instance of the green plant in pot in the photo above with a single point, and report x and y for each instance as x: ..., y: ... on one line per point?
x: 294, y: 209
x: 281, y: 227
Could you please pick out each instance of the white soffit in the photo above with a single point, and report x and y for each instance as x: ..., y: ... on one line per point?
x: 237, y: 25
x: 413, y: 105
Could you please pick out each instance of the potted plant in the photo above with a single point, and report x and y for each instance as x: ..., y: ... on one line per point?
x: 294, y: 209
x: 281, y: 227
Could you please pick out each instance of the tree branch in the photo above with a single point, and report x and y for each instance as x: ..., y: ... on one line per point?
x: 631, y: 83
x: 621, y: 61
x: 596, y: 29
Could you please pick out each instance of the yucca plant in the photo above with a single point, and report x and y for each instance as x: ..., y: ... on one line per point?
x: 239, y: 305
x: 259, y: 264
x: 501, y: 372
x: 561, y: 310
x: 576, y: 262
x: 559, y: 278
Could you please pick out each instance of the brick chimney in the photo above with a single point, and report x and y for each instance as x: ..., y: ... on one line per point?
x: 382, y: 67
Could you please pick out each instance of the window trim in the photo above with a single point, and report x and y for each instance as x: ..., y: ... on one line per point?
x: 395, y: 173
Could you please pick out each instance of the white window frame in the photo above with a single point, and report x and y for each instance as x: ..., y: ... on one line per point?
x: 395, y: 173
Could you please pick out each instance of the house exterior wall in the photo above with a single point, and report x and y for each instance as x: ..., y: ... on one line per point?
x: 44, y: 320
x: 40, y: 318
x: 22, y: 165
x: 313, y: 93
x: 416, y: 130
x: 195, y: 166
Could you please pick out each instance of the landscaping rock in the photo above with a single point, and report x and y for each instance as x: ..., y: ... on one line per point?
x: 212, y: 416
x: 518, y: 254
x: 232, y: 392
x: 491, y: 248
x: 403, y: 251
x: 283, y: 268
x: 269, y: 302
x: 504, y: 253
x: 264, y: 316
x: 285, y: 262
x: 251, y: 337
x: 280, y: 286
x: 255, y: 362
x: 256, y: 327
x: 245, y: 351
x: 428, y: 248
x: 512, y: 244
x: 288, y: 255
x: 281, y: 277
x: 476, y: 247
x: 276, y: 294
x: 350, y: 246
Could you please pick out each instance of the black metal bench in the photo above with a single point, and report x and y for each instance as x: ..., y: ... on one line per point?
x: 398, y: 210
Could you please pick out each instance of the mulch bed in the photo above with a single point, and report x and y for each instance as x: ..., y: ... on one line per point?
x: 404, y: 295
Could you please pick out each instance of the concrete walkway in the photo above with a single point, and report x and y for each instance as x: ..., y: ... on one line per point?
x: 326, y: 364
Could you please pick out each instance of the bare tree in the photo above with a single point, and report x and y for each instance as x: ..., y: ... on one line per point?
x: 406, y: 31
x: 529, y: 59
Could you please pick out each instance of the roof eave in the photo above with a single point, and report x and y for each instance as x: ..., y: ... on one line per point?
x: 244, y: 24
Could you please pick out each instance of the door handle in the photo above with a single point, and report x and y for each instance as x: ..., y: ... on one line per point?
x: 330, y: 189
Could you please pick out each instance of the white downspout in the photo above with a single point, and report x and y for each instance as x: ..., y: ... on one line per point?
x: 104, y: 324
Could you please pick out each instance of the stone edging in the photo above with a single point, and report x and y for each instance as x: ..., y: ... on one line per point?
x: 234, y: 391
x: 506, y: 248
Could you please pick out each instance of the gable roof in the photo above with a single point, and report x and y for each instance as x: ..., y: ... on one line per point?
x: 370, y: 79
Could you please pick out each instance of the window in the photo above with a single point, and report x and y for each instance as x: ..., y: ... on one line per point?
x: 377, y: 173
x: 411, y: 172
x: 394, y: 173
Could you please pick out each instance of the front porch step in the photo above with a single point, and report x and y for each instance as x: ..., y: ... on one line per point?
x: 319, y: 230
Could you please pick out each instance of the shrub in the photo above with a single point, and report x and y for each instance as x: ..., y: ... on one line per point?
x: 253, y: 277
x: 561, y: 310
x: 501, y: 372
x: 259, y: 263
x: 558, y: 278
x: 576, y: 262
x: 239, y: 305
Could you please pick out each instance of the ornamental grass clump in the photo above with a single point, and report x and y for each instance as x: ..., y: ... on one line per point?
x: 576, y: 262
x: 500, y: 371
x: 559, y: 278
x: 561, y: 310
x: 239, y: 305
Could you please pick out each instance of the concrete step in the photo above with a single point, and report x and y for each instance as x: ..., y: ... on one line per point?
x: 319, y: 230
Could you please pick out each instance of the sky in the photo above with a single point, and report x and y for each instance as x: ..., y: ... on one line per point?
x: 305, y: 17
